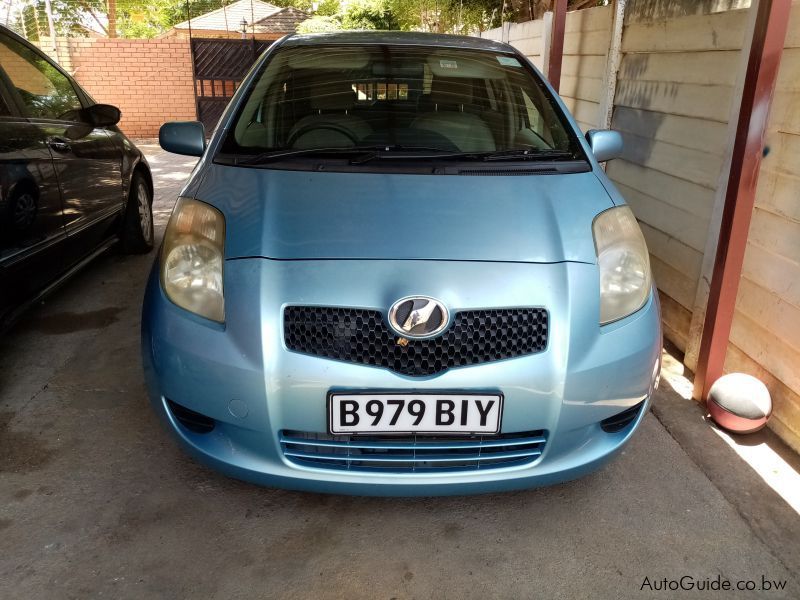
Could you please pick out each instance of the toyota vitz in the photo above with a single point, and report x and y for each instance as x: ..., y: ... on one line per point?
x: 399, y: 269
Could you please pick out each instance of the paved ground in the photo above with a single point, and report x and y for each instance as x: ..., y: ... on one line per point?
x: 97, y: 501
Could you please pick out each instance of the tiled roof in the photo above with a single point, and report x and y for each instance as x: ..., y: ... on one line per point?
x: 283, y: 21
x: 229, y: 18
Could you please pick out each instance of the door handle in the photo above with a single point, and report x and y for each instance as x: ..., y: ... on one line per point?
x: 58, y: 144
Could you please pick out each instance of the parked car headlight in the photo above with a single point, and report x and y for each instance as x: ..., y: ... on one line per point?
x: 624, y: 264
x: 192, y: 259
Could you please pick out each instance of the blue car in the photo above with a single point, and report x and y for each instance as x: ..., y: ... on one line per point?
x: 399, y: 269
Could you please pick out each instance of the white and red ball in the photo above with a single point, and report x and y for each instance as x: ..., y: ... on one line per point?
x: 739, y: 403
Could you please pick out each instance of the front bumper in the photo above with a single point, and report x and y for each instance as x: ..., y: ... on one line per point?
x: 240, y: 374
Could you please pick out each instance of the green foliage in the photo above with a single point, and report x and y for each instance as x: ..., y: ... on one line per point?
x: 175, y: 11
x: 32, y: 19
x: 369, y: 14
x: 325, y: 8
x: 357, y: 14
x: 449, y: 16
x: 320, y: 24
x: 148, y: 18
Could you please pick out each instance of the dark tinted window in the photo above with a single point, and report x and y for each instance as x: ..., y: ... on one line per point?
x: 4, y: 110
x: 448, y: 99
x: 45, y: 92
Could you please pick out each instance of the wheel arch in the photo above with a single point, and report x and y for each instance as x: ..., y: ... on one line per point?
x: 142, y: 169
x: 26, y: 184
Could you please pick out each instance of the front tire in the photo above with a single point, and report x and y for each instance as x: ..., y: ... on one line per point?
x: 137, y: 228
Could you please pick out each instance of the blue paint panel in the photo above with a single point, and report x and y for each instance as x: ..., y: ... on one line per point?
x: 304, y: 215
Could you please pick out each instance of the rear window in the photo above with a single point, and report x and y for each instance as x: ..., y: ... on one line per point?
x: 445, y: 99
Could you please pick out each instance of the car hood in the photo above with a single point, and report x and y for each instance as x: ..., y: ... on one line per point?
x: 294, y: 215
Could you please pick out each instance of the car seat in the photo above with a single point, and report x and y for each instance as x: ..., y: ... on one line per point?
x: 449, y: 103
x: 332, y: 124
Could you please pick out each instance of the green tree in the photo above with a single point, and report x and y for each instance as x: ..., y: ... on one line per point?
x: 449, y: 16
x: 320, y: 24
x: 325, y: 8
x: 68, y: 17
x: 369, y: 14
x: 148, y: 18
x: 359, y: 14
x: 129, y: 18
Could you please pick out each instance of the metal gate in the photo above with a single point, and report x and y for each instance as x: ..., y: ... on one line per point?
x: 219, y: 67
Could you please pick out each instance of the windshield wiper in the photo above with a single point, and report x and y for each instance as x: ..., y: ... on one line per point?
x: 398, y: 151
x: 364, y: 153
x: 496, y: 155
x: 527, y: 154
x: 269, y: 156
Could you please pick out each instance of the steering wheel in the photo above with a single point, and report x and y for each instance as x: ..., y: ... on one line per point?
x: 328, y: 126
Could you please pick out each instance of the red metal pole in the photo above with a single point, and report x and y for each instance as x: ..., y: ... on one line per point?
x: 557, y: 43
x: 769, y: 36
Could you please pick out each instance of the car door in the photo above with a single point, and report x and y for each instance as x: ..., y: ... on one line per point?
x: 87, y: 163
x: 32, y: 234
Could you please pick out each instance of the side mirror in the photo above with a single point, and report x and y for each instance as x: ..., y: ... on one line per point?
x: 606, y: 144
x: 102, y: 115
x: 183, y: 137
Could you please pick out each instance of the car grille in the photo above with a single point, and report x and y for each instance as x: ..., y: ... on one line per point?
x: 406, y: 454
x: 361, y: 336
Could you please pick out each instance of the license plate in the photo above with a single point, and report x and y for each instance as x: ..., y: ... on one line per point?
x: 366, y: 413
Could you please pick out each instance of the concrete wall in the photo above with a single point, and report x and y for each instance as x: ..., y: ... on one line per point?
x: 583, y: 70
x: 676, y: 87
x: 765, y: 339
x: 655, y: 10
x: 149, y: 80
x: 528, y: 38
x: 586, y: 41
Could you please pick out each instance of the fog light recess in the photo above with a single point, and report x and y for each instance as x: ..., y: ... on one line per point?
x: 191, y: 420
x: 621, y: 420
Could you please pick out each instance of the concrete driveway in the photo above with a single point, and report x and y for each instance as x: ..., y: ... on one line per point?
x: 97, y: 501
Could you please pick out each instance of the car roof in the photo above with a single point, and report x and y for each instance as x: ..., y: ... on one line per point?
x: 405, y: 38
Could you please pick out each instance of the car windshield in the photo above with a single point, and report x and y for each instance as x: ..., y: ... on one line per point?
x: 316, y: 99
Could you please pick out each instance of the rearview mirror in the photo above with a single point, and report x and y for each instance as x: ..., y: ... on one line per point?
x: 606, y: 144
x: 183, y: 137
x: 102, y: 115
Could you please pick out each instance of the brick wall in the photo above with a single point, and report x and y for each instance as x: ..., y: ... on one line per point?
x: 149, y: 80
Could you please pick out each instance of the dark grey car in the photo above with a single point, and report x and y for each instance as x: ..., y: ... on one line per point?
x: 71, y: 183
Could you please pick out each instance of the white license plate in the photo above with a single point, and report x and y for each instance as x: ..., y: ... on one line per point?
x: 363, y: 413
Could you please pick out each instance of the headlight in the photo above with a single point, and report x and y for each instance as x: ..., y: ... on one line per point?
x: 624, y: 263
x: 192, y: 259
